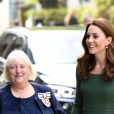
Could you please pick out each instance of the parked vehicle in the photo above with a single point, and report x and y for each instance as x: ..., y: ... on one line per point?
x: 2, y: 62
x: 53, y: 54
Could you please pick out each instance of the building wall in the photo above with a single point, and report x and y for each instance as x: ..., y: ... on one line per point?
x: 4, y: 14
x: 74, y: 3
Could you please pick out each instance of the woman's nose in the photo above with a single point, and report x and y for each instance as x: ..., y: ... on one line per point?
x: 18, y: 69
x: 90, y: 39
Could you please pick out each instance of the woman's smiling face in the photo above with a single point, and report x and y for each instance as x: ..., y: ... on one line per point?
x: 96, y: 40
x: 18, y: 71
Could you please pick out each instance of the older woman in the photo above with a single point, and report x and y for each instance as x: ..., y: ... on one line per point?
x: 21, y: 96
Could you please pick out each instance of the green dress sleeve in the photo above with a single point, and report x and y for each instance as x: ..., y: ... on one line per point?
x: 77, y: 106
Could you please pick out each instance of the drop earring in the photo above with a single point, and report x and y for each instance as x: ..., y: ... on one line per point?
x: 106, y: 46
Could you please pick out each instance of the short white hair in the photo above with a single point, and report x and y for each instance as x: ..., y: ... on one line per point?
x: 17, y: 53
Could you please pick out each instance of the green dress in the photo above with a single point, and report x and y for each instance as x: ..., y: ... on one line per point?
x: 94, y: 96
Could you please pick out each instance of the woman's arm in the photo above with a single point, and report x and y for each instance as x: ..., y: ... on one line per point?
x: 56, y: 106
x: 77, y: 106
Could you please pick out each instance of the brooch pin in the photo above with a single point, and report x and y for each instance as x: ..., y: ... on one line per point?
x: 45, y: 98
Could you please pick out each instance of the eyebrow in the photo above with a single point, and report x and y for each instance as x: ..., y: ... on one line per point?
x: 92, y: 34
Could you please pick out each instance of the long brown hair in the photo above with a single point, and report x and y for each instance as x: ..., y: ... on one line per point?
x: 87, y: 62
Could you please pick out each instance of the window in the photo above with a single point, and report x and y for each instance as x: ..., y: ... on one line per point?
x: 8, y: 43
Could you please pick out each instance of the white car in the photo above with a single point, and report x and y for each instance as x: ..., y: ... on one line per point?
x: 53, y: 53
x: 2, y: 62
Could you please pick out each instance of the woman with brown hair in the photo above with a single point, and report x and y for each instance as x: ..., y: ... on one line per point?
x: 95, y: 70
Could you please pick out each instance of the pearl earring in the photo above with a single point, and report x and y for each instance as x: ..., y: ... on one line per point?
x: 106, y: 46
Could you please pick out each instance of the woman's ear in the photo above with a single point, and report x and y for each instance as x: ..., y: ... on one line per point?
x: 109, y: 40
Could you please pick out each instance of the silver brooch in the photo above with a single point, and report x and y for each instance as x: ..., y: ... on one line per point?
x: 45, y: 98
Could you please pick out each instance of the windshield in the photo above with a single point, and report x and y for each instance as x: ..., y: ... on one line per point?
x: 55, y: 47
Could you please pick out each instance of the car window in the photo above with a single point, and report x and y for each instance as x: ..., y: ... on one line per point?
x: 10, y: 42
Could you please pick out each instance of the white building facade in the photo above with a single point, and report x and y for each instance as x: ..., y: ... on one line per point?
x: 4, y: 13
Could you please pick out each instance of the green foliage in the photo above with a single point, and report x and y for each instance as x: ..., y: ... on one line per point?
x: 53, y: 3
x: 58, y: 28
x: 62, y: 3
x: 82, y: 11
x: 105, y: 9
x: 104, y: 2
x: 112, y: 16
x: 48, y: 3
x: 30, y: 1
x: 48, y: 15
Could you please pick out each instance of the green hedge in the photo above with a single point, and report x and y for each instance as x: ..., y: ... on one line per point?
x: 54, y: 14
